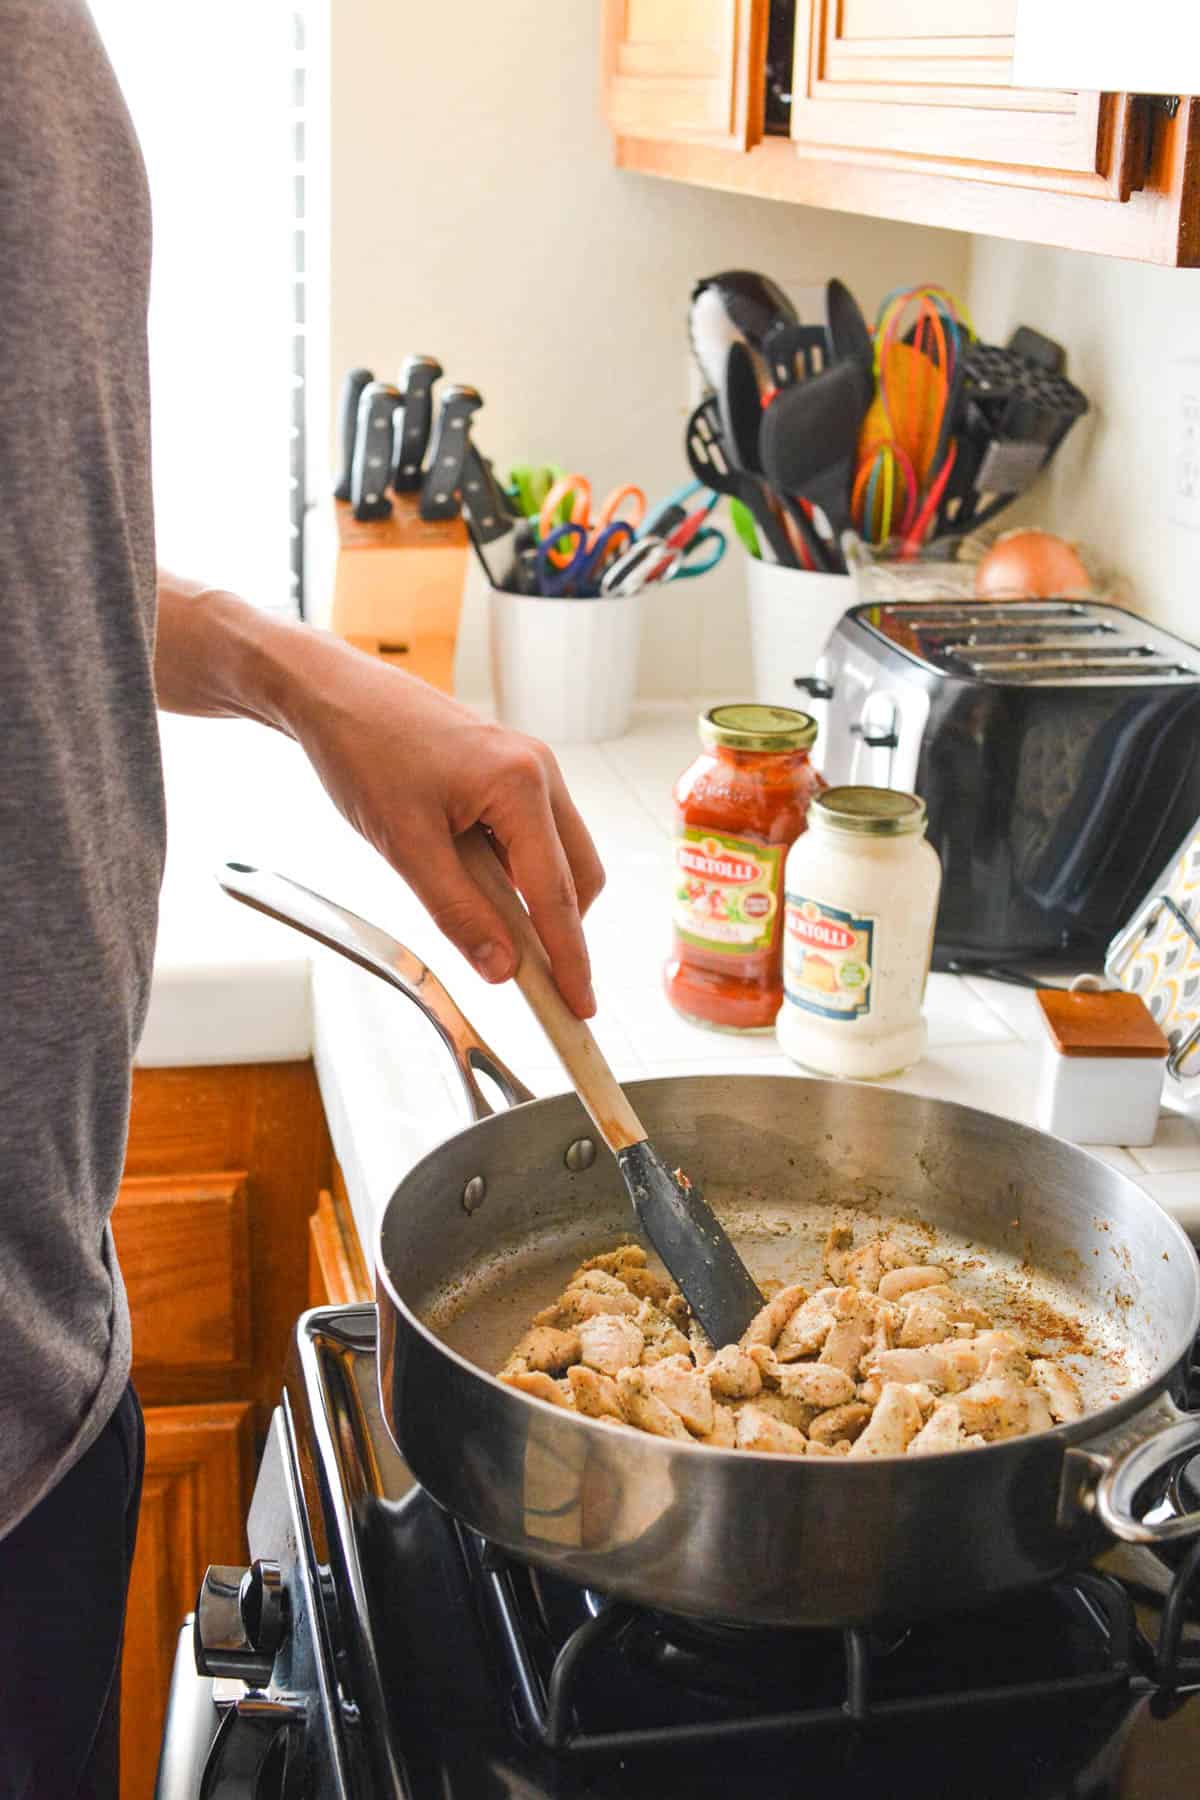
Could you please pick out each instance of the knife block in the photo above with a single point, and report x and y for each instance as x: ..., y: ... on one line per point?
x: 397, y: 587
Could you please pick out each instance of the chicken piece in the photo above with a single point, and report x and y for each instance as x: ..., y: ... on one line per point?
x: 1005, y: 1355
x: 662, y: 1337
x: 841, y: 1448
x: 1060, y: 1388
x: 1038, y: 1416
x: 959, y: 1363
x: 815, y: 1384
x: 883, y: 1331
x: 702, y: 1350
x: 539, y: 1386
x: 995, y: 1407
x: 619, y: 1262
x: 893, y: 1425
x: 839, y: 1422
x: 852, y: 1331
x: 909, y: 1365
x: 591, y: 1293
x: 767, y: 1324
x: 646, y: 1410
x: 866, y: 1266
x: 902, y: 1281
x: 758, y: 1430
x: 924, y: 1323
x: 595, y: 1395
x: 941, y: 1431
x: 610, y: 1343
x: 547, y: 1349
x: 808, y: 1327
x: 735, y: 1373
x: 838, y: 1246
x: 723, y: 1435
x: 679, y: 1384
x: 793, y: 1412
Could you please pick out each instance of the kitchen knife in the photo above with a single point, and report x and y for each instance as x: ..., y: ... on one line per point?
x: 417, y: 376
x: 443, y: 481
x: 373, y: 450
x: 352, y: 388
x: 492, y: 526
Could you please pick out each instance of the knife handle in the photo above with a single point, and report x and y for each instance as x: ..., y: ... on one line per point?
x: 373, y: 451
x: 417, y: 377
x: 482, y: 499
x: 352, y: 387
x: 443, y: 480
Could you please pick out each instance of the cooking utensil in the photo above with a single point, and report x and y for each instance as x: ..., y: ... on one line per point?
x: 447, y: 460
x: 738, y: 305
x: 492, y: 527
x: 787, y: 344
x: 373, y: 450
x: 809, y: 441
x: 739, y: 401
x: 709, y: 461
x: 352, y: 387
x: 486, y: 1229
x: 849, y: 334
x: 417, y: 377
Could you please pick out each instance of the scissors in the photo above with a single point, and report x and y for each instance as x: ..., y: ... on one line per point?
x: 662, y: 519
x: 587, y: 558
x: 646, y: 559
x: 528, y: 485
x: 577, y: 490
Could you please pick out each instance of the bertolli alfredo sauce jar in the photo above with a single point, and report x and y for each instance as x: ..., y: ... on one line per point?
x: 861, y: 894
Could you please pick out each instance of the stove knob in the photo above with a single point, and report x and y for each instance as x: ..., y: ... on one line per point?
x: 257, y: 1753
x: 240, y: 1622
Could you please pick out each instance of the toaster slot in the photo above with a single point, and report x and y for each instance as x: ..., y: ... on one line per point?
x: 1146, y: 667
x: 1020, y: 636
x: 1068, y: 654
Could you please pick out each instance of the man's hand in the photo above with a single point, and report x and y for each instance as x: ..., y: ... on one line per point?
x: 409, y: 767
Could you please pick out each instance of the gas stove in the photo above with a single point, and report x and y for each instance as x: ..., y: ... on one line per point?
x: 375, y: 1647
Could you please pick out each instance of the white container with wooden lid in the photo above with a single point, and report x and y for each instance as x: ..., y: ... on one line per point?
x: 1102, y: 1067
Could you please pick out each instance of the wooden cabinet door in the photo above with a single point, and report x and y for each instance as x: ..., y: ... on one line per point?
x: 686, y: 69
x: 927, y: 87
x: 194, y: 1500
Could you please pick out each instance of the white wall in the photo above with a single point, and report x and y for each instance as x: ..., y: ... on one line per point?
x: 475, y: 214
x: 1131, y: 332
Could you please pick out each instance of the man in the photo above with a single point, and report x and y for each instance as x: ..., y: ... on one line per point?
x: 82, y: 661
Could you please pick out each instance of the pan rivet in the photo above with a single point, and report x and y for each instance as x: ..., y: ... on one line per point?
x: 474, y: 1194
x: 580, y: 1155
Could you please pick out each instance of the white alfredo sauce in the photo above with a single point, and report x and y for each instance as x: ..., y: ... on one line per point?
x: 861, y: 898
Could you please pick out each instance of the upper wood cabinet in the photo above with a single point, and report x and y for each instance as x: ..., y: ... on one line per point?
x: 690, y: 70
x: 901, y: 111
x: 929, y: 85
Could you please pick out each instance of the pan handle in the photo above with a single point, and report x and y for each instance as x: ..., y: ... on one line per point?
x: 360, y: 942
x: 1105, y: 1478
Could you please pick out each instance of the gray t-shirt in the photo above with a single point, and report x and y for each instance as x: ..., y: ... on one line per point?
x: 81, y: 806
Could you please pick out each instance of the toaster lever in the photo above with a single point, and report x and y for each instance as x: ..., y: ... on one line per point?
x: 878, y: 740
x: 814, y: 686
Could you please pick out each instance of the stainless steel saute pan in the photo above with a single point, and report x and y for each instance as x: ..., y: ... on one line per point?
x: 485, y: 1230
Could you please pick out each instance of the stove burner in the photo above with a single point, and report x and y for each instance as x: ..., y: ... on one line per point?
x: 591, y: 1675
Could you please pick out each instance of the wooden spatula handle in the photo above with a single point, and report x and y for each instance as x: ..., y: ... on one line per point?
x: 577, y: 1049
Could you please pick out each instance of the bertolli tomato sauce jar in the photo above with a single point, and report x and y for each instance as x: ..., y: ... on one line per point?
x: 861, y: 899
x: 738, y: 810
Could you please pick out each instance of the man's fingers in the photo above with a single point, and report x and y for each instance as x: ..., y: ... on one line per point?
x: 458, y: 909
x: 540, y: 871
x: 587, y: 870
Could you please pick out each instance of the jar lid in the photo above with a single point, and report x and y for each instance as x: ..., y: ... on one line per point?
x: 757, y: 728
x: 869, y: 811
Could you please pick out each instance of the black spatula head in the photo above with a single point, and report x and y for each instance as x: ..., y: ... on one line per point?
x: 693, y: 1244
x: 809, y: 438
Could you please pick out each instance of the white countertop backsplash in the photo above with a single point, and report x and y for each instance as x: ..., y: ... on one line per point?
x: 231, y: 986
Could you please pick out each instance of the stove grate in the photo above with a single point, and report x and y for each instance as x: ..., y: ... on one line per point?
x: 555, y: 1677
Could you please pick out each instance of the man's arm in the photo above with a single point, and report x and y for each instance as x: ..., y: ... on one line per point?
x: 408, y: 766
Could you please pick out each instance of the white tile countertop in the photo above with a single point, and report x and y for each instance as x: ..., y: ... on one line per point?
x: 231, y: 986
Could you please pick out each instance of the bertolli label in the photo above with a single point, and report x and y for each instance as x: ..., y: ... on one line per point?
x: 727, y: 891
x: 827, y: 959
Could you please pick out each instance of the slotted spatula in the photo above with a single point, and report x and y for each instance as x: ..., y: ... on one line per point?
x: 671, y: 1211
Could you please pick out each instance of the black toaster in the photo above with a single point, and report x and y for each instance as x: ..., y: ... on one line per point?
x: 1056, y: 745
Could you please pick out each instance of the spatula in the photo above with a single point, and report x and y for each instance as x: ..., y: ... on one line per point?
x: 672, y: 1212
x: 809, y: 440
